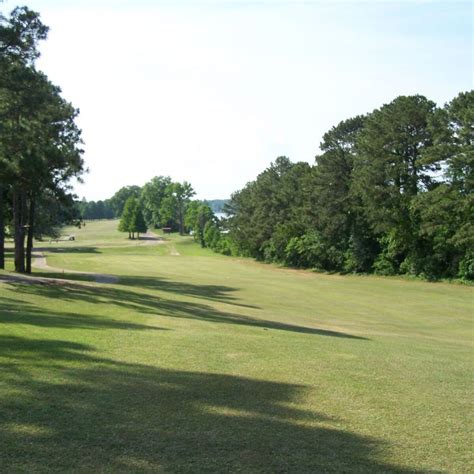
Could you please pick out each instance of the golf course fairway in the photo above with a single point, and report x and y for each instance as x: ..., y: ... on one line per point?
x: 157, y: 355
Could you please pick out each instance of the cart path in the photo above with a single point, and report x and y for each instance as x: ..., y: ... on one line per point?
x: 40, y: 262
x: 149, y: 238
x: 39, y: 280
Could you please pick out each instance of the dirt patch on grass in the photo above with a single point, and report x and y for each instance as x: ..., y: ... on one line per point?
x: 150, y: 238
x: 40, y: 262
x: 31, y: 280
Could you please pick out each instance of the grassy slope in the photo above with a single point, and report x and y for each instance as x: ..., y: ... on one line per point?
x: 202, y: 362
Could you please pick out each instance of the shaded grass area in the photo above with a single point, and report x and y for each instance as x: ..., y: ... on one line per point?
x: 17, y: 312
x: 146, y: 304
x: 100, y: 414
x: 65, y: 276
x: 72, y: 394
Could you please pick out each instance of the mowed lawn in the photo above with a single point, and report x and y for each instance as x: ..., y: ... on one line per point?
x: 195, y: 362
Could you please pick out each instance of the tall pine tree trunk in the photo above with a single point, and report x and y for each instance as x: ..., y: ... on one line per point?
x: 2, y: 228
x: 19, y: 230
x: 29, y: 240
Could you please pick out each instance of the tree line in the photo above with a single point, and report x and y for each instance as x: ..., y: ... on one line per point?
x: 163, y: 203
x: 113, y: 207
x: 40, y: 143
x: 160, y: 203
x: 391, y: 192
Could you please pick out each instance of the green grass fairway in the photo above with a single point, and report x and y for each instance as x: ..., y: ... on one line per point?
x: 196, y: 362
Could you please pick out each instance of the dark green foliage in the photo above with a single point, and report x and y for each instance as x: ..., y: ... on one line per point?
x: 40, y: 144
x: 54, y: 212
x: 338, y: 212
x: 182, y: 194
x: 152, y: 196
x: 138, y: 223
x: 211, y: 235
x: 391, y: 192
x: 218, y: 240
x: 20, y: 35
x: 118, y: 200
x: 132, y: 220
x: 305, y: 251
x: 392, y: 167
x: 162, y: 203
x: 198, y: 214
x: 165, y: 203
x: 270, y: 209
x: 91, y: 210
x: 446, y: 229
x: 455, y: 141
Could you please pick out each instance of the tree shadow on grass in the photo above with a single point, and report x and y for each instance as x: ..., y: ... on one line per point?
x: 219, y: 293
x: 145, y: 303
x: 75, y: 250
x: 65, y: 276
x: 151, y: 238
x: 19, y: 312
x: 67, y: 409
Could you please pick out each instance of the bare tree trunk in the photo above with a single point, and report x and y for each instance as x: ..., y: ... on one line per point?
x: 19, y: 230
x: 29, y: 240
x: 2, y: 229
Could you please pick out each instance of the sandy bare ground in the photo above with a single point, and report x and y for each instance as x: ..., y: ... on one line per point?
x: 39, y: 261
x: 174, y: 252
x: 31, y: 280
x: 150, y: 238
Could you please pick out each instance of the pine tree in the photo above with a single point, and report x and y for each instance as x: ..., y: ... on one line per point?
x: 138, y: 223
x: 126, y: 223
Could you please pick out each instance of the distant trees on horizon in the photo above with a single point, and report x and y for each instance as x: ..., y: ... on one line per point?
x: 112, y: 208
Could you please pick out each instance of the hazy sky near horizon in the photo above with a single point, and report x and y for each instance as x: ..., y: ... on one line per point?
x: 212, y: 91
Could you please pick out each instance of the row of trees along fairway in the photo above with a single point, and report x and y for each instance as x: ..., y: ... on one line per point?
x: 39, y: 141
x: 391, y: 193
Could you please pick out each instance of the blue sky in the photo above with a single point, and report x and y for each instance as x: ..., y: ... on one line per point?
x: 212, y: 91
